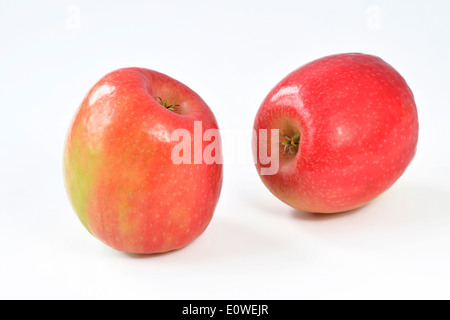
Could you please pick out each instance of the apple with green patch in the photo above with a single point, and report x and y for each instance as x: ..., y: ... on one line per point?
x: 118, y: 166
x: 347, y: 128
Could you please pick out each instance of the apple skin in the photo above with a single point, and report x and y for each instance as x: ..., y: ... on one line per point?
x: 118, y: 171
x: 358, y: 127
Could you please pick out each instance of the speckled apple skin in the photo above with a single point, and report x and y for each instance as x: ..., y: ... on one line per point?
x: 359, y: 128
x: 118, y: 170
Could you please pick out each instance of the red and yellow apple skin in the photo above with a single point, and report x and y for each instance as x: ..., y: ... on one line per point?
x: 358, y: 128
x: 118, y: 169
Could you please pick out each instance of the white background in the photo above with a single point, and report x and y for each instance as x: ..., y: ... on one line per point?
x: 231, y: 53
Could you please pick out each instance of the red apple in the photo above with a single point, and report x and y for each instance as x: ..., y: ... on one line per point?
x: 119, y: 169
x: 347, y: 129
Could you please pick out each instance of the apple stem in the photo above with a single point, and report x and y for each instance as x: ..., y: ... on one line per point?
x: 166, y: 105
x: 291, y: 143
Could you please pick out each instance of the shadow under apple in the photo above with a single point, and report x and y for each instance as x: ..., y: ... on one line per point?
x: 410, y: 217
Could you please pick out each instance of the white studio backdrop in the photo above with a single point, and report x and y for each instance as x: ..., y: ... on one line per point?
x: 231, y: 53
